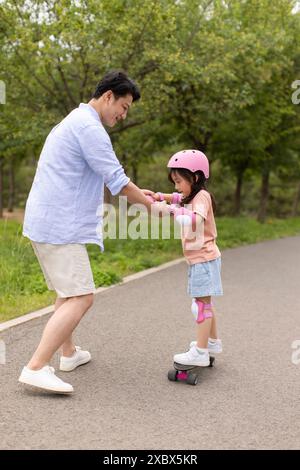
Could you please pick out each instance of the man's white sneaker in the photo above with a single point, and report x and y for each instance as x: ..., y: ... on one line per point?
x: 44, y: 379
x: 78, y: 359
x: 194, y: 357
x: 214, y: 347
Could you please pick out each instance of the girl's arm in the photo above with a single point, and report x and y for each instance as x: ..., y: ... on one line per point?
x: 186, y: 217
x: 182, y: 215
x: 174, y: 198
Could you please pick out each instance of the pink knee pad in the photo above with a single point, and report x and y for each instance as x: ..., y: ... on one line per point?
x: 201, y: 311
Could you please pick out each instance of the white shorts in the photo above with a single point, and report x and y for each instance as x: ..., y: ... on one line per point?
x: 66, y: 268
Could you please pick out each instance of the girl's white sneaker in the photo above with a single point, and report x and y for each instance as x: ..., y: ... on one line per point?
x: 78, y: 359
x: 194, y: 357
x: 44, y: 379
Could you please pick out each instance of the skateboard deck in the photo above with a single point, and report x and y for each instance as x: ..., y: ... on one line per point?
x: 188, y: 374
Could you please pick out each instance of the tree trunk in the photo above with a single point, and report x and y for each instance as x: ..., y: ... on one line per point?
x: 296, y: 202
x: 202, y: 144
x: 1, y: 187
x: 264, y: 195
x: 124, y: 162
x: 11, y: 194
x: 134, y: 172
x: 238, y: 193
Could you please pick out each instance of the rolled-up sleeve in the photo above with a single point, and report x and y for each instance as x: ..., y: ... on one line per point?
x: 98, y: 152
x: 201, y: 205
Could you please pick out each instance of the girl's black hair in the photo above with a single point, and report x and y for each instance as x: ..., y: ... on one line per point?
x: 197, y: 184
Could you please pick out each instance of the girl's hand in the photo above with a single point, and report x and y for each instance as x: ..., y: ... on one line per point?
x: 153, y: 195
x: 149, y: 195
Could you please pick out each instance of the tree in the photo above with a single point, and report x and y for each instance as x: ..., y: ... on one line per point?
x: 57, y: 51
x: 251, y: 136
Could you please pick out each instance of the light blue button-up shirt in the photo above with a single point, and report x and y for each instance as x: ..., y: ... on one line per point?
x: 66, y: 198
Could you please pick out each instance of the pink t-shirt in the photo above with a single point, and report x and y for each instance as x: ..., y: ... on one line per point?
x: 201, y: 246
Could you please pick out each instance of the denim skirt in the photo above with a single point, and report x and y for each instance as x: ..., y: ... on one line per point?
x: 204, y: 279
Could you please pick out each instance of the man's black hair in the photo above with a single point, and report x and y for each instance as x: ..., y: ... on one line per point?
x: 119, y: 83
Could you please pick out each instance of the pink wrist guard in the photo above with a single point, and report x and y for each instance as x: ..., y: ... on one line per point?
x: 161, y: 196
x: 176, y: 198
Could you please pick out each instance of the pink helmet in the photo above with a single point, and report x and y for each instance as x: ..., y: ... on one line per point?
x: 192, y: 160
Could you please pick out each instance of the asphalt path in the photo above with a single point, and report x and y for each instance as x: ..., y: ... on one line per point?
x: 123, y: 399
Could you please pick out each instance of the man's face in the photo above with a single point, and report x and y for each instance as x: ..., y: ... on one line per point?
x: 115, y: 109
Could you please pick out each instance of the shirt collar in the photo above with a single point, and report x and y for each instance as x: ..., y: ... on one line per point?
x: 90, y: 109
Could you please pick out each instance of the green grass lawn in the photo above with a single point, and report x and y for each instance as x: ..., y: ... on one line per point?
x: 23, y: 289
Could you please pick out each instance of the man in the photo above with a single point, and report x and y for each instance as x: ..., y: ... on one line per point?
x: 63, y: 213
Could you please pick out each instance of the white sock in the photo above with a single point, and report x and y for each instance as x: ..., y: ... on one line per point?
x: 202, y: 350
x: 212, y: 340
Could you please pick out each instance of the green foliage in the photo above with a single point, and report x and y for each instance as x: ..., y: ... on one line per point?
x: 23, y: 288
x: 105, y: 278
x: 214, y: 75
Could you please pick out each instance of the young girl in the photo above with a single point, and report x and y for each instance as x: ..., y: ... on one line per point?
x: 189, y: 169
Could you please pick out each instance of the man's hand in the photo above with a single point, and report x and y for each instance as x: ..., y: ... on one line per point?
x: 148, y: 192
x: 137, y: 196
x: 155, y: 196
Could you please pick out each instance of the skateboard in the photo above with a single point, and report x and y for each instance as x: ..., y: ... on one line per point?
x: 188, y: 374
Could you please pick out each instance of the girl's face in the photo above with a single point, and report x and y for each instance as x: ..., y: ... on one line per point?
x: 182, y: 185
